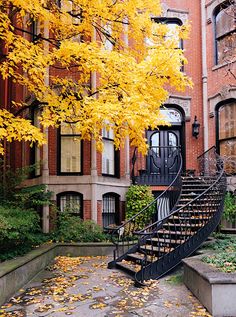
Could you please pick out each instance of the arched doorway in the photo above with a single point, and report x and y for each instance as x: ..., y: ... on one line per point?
x: 165, y: 144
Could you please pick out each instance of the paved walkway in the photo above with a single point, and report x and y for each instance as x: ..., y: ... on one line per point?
x: 84, y: 287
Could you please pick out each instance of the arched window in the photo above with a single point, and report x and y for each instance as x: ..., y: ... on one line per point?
x: 71, y: 202
x: 225, y: 32
x: 110, y: 209
x: 172, y: 24
x: 226, y: 129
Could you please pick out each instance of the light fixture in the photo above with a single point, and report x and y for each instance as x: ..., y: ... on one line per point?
x: 195, y: 127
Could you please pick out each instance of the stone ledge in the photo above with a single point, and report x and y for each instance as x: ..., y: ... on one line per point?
x: 7, y: 267
x: 216, y: 290
x: 14, y: 274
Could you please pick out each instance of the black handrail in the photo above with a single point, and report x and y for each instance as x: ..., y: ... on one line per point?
x: 123, y: 236
x: 144, y: 231
x: 206, y: 224
x: 204, y: 153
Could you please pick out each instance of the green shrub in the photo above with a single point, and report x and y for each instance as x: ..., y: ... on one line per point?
x: 23, y: 197
x: 73, y: 228
x: 19, y: 231
x: 230, y: 207
x: 19, y: 222
x: 138, y: 197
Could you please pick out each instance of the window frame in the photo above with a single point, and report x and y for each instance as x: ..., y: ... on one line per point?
x: 72, y: 193
x: 117, y: 208
x: 217, y: 10
x: 59, y: 157
x: 116, y: 158
x: 217, y: 108
x: 170, y: 20
x: 34, y: 150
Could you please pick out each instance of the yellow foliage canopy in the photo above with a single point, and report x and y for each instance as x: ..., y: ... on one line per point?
x: 53, y: 48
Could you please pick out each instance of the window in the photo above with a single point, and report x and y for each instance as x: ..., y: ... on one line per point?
x: 109, y: 155
x: 172, y: 24
x: 71, y: 202
x: 226, y: 134
x: 35, y: 150
x: 173, y: 116
x: 35, y: 30
x: 108, y: 40
x: 172, y: 33
x: 225, y: 32
x: 70, y: 150
x: 110, y: 209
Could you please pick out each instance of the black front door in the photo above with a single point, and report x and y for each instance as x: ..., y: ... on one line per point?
x: 163, y: 160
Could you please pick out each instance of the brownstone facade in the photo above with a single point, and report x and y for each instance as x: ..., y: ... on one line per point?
x: 98, y: 188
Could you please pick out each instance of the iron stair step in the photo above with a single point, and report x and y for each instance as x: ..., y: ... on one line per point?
x: 194, y: 188
x: 191, y: 218
x: 197, y: 185
x: 197, y: 204
x: 199, y: 182
x: 184, y: 225
x: 198, y: 210
x: 163, y: 240
x: 193, y: 194
x: 198, y: 177
x: 175, y: 232
x: 156, y: 249
x: 187, y: 200
x: 127, y: 267
x: 138, y: 257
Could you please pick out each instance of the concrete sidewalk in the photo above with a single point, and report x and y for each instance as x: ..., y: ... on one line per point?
x: 84, y: 287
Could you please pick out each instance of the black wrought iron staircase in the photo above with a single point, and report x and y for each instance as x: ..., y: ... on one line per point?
x: 187, y: 212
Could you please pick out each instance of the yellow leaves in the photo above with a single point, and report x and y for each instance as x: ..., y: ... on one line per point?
x: 130, y: 80
x: 43, y: 308
x: 168, y: 304
x: 98, y: 305
x: 14, y: 128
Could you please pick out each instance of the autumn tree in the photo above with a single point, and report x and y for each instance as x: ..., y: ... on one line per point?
x: 92, y: 63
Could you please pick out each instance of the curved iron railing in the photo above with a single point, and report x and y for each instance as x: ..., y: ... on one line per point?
x: 124, y: 236
x: 166, y: 242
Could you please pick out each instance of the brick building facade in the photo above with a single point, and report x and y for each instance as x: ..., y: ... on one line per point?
x: 95, y: 184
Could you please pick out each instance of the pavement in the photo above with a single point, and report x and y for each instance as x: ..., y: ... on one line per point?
x: 84, y: 287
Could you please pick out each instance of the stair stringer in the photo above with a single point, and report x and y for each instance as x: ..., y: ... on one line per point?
x: 170, y: 260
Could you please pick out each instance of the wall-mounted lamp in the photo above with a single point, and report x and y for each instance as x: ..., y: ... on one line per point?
x: 195, y: 127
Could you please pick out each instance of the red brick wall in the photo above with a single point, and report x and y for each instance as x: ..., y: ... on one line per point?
x: 52, y: 150
x: 86, y: 157
x: 99, y: 212
x: 218, y: 77
x: 86, y: 209
x: 192, y: 48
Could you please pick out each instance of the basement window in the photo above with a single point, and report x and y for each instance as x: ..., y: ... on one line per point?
x: 71, y: 202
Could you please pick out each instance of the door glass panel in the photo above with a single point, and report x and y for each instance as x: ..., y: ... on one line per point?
x: 155, y: 143
x: 172, y: 142
x: 172, y: 139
